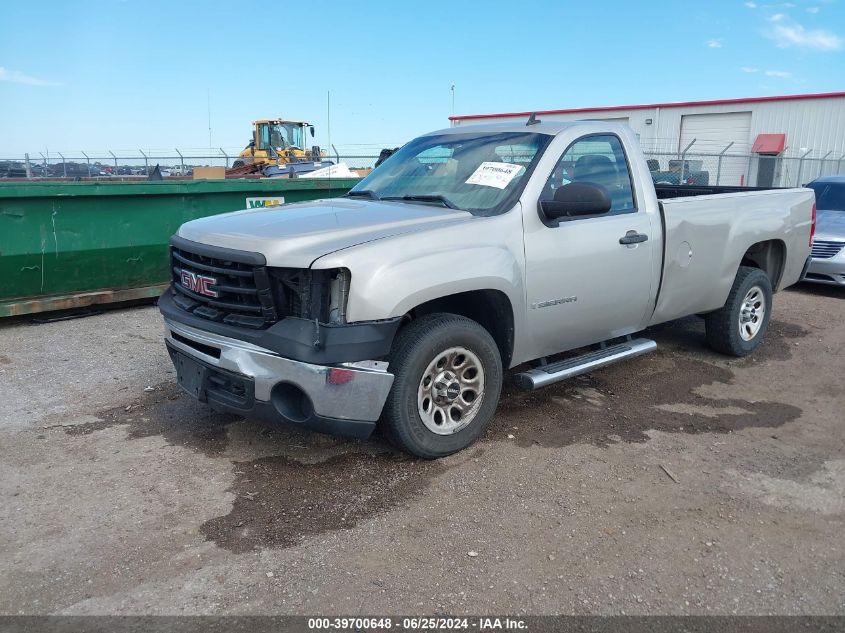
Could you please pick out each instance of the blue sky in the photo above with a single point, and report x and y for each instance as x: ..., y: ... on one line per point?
x: 122, y: 75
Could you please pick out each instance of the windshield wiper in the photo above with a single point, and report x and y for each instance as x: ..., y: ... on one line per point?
x: 425, y: 198
x: 362, y: 193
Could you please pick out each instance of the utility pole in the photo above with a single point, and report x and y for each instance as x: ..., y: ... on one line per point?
x: 453, y: 99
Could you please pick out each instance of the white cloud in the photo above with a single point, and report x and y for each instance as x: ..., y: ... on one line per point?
x: 17, y: 77
x: 812, y: 10
x: 780, y: 74
x: 786, y: 33
x: 751, y: 5
x: 714, y: 43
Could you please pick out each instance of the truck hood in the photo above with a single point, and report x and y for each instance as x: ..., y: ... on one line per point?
x: 294, y: 235
x: 830, y: 225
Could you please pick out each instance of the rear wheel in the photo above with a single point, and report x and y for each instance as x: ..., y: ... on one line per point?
x: 447, y: 379
x: 738, y: 328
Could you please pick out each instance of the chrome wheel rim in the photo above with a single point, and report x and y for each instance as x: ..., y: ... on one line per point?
x: 752, y: 313
x: 451, y: 390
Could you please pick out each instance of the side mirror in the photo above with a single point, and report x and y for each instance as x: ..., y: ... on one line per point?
x: 311, y: 129
x: 575, y: 200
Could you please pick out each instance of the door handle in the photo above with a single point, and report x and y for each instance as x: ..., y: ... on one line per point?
x: 632, y: 237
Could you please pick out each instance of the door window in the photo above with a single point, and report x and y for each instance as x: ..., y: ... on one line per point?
x: 597, y: 159
x: 264, y: 136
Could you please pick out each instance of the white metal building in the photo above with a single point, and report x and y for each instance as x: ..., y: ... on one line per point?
x: 763, y: 140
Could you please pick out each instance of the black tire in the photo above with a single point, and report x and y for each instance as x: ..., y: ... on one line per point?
x: 237, y: 163
x: 418, y: 345
x: 723, y: 325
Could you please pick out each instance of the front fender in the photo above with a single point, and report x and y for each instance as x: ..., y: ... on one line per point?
x: 391, y: 276
x: 399, y: 288
x: 394, y: 288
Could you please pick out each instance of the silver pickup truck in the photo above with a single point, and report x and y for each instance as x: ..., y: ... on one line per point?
x: 469, y: 251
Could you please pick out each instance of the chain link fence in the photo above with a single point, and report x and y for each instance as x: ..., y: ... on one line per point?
x: 741, y: 170
x: 694, y: 165
x: 140, y: 163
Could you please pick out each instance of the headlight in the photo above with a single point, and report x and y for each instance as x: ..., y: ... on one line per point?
x: 339, y: 295
x: 311, y: 294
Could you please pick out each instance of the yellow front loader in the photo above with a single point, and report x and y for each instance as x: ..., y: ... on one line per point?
x: 278, y: 147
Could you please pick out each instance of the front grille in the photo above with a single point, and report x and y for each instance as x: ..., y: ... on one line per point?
x: 243, y: 290
x: 825, y: 249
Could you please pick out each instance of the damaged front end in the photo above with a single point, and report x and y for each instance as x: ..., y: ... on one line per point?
x: 299, y: 313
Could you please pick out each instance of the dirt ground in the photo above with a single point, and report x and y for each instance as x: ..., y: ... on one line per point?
x: 679, y: 482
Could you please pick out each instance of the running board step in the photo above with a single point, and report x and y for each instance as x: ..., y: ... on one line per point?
x: 571, y: 367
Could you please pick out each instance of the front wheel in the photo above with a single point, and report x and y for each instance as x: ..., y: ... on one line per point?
x: 738, y: 328
x: 447, y: 380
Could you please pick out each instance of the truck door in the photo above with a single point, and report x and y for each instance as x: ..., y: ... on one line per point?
x: 583, y: 284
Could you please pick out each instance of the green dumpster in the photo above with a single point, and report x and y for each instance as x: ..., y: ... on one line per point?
x: 65, y: 245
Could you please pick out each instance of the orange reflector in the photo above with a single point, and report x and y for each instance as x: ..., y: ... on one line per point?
x: 339, y: 376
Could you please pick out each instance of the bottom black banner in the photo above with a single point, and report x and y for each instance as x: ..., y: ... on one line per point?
x: 552, y: 624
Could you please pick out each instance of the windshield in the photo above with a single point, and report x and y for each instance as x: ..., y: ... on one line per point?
x: 479, y: 173
x: 281, y: 135
x: 830, y: 196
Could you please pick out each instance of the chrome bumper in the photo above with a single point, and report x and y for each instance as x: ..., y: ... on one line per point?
x: 350, y: 391
x: 827, y: 270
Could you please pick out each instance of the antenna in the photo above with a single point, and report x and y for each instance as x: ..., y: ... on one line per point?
x: 329, y: 116
x: 533, y: 120
x: 209, y: 118
x: 329, y: 123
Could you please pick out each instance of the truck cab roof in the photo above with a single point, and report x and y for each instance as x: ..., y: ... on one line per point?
x: 259, y: 121
x: 552, y: 128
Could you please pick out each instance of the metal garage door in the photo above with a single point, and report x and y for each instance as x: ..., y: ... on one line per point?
x: 712, y: 133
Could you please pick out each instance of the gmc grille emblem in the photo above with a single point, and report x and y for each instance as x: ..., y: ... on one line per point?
x: 200, y: 284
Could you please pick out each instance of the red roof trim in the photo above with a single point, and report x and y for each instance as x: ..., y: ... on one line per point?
x: 681, y: 104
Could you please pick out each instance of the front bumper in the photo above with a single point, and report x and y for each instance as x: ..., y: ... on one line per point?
x: 829, y: 270
x: 295, y: 338
x: 243, y: 378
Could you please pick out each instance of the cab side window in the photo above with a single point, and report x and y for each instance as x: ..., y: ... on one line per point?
x: 263, y: 136
x: 599, y: 160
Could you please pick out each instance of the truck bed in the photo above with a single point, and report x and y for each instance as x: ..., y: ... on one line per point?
x: 687, y: 191
x: 709, y: 229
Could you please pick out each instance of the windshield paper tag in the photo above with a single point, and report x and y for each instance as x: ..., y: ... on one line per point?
x: 498, y: 175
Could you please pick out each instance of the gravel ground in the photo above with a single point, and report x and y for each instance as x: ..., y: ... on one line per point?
x: 680, y: 482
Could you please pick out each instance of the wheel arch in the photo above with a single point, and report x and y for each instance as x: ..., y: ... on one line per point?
x: 770, y: 257
x: 491, y: 309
